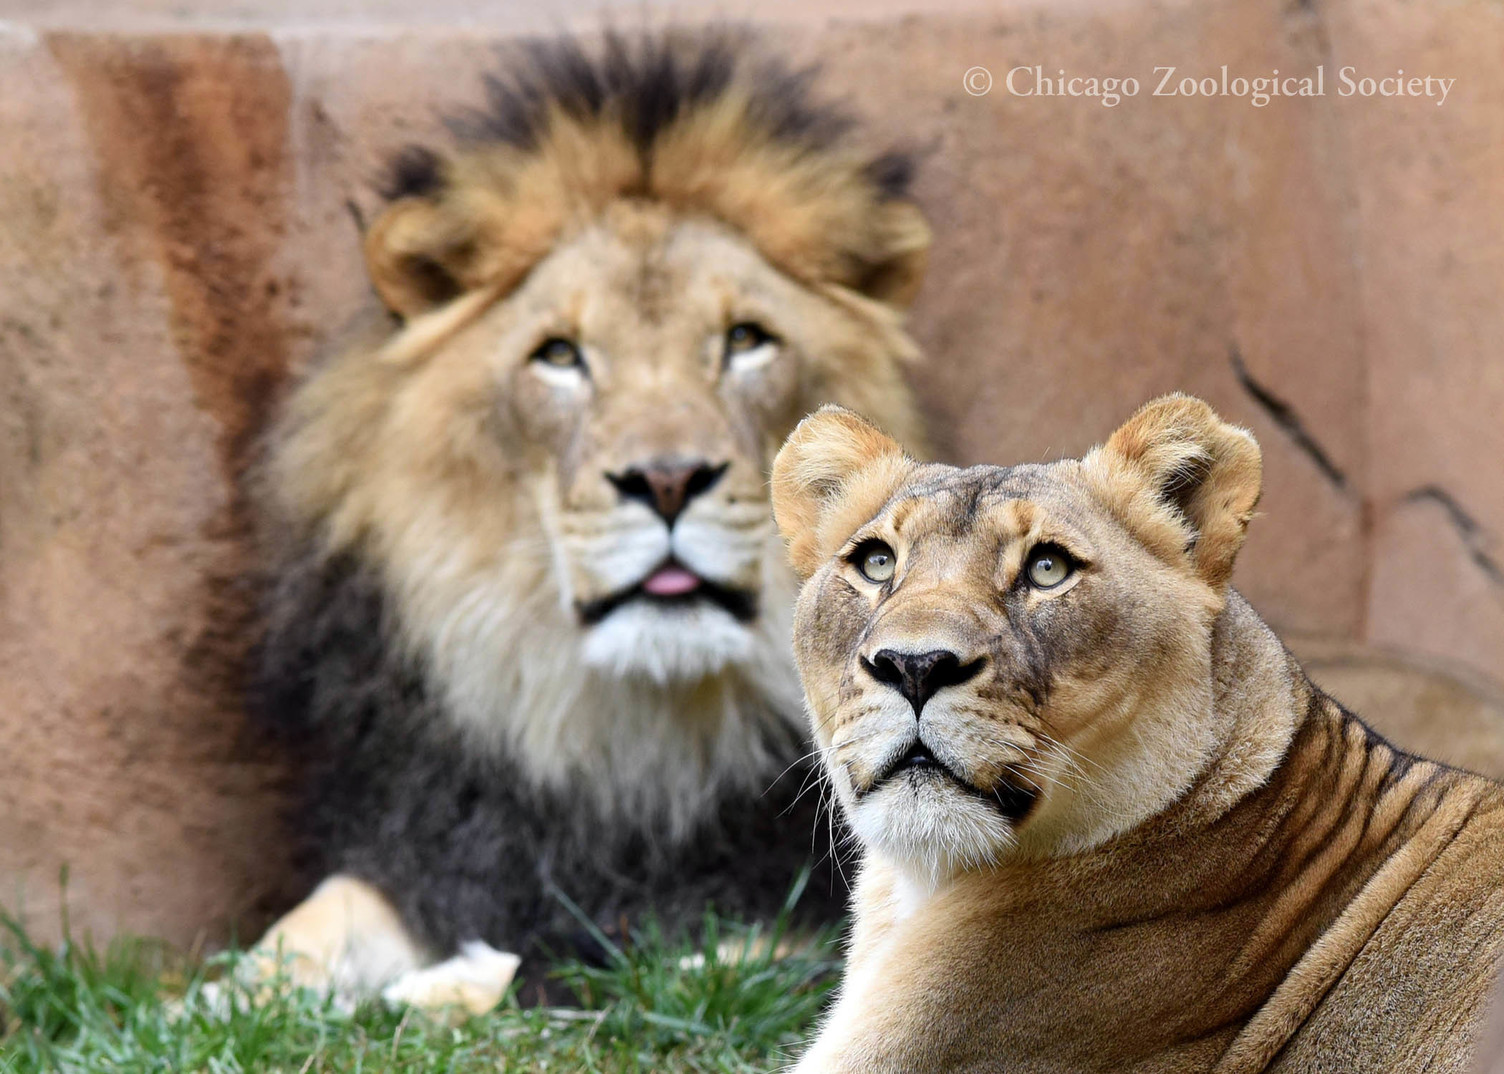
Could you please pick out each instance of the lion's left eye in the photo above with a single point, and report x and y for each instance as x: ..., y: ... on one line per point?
x: 876, y: 561
x: 1047, y: 567
x: 745, y: 337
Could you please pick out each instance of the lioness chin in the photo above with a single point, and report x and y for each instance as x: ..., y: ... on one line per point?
x: 1108, y: 823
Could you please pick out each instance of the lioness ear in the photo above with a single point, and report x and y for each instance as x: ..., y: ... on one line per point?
x: 415, y: 259
x: 1191, y: 478
x: 831, y: 475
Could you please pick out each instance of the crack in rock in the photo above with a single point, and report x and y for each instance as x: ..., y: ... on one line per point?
x: 353, y: 208
x: 1283, y: 415
x: 1474, y: 537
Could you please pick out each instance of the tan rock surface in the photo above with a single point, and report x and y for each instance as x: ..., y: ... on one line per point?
x: 1429, y: 232
x: 139, y: 347
x: 1436, y: 709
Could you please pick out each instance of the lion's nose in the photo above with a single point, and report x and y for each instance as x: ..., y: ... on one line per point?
x: 918, y: 676
x: 667, y: 485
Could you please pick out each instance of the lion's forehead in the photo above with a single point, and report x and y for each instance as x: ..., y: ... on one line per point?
x: 663, y: 282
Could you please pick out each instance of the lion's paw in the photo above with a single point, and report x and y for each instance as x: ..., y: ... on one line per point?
x: 473, y: 981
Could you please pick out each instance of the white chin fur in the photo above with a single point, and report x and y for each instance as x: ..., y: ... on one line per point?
x: 930, y: 829
x: 665, y: 644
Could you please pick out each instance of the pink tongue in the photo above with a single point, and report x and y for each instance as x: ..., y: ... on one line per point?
x: 671, y: 581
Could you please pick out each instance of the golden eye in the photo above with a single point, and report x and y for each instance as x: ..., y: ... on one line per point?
x: 746, y: 336
x: 1048, y: 567
x: 560, y: 353
x: 876, y: 561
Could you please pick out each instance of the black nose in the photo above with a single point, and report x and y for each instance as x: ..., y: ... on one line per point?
x: 918, y: 676
x: 667, y: 485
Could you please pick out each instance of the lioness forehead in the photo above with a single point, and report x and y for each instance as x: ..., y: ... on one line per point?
x: 994, y: 503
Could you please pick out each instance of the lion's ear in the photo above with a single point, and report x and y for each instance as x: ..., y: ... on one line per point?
x: 897, y: 269
x: 415, y: 257
x: 1177, y: 458
x: 832, y: 474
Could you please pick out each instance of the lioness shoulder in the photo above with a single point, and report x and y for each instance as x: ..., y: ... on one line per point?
x: 1107, y: 821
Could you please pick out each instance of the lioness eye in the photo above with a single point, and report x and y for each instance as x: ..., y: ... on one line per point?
x: 745, y: 336
x: 1047, y: 568
x: 875, y: 560
x: 560, y: 353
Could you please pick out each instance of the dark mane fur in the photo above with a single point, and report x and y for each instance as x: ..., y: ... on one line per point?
x: 458, y: 839
x: 644, y: 84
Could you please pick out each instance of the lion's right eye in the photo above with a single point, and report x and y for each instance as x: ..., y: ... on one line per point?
x: 875, y: 560
x: 559, y: 353
x: 1048, y: 567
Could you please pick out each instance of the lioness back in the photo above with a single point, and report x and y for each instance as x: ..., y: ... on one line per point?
x: 1107, y: 821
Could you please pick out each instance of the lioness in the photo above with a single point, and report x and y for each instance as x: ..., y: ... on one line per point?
x: 529, y: 618
x: 1108, y: 823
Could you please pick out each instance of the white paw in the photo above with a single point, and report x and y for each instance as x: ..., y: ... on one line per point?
x: 474, y: 980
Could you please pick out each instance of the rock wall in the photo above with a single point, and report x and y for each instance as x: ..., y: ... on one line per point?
x: 180, y: 198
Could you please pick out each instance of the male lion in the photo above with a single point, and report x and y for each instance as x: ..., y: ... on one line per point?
x: 1109, y: 824
x: 529, y: 616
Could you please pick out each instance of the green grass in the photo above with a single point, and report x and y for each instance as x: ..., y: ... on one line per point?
x: 135, y: 1006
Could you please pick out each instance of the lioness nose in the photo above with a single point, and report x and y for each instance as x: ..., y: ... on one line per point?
x: 918, y: 676
x: 667, y: 485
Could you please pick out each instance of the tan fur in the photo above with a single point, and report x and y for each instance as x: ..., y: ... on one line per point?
x: 346, y: 930
x: 833, y: 486
x: 474, y: 481
x: 346, y: 933
x: 1219, y: 869
x: 816, y: 217
x: 462, y: 507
